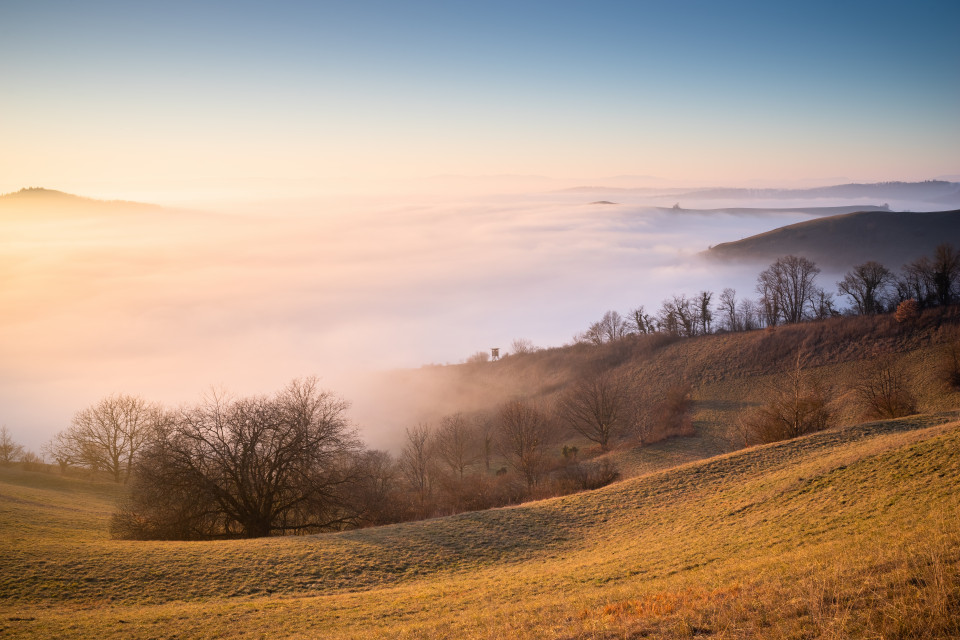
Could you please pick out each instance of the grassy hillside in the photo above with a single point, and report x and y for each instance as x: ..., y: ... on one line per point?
x: 841, y: 241
x: 852, y: 532
x: 727, y: 373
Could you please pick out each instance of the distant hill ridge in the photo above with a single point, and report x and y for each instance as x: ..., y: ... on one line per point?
x: 938, y: 191
x: 53, y: 200
x: 890, y: 237
x: 929, y: 190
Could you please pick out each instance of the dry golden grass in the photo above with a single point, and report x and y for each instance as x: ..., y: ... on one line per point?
x: 847, y: 533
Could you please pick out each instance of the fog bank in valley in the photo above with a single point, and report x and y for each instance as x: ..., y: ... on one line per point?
x: 165, y: 303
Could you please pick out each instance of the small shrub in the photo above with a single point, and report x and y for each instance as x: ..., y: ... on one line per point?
x: 674, y: 412
x: 794, y: 408
x: 883, y: 392
x: 949, y: 365
x: 583, y: 476
x: 907, y: 311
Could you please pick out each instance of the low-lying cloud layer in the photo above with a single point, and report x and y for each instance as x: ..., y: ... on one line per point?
x: 166, y: 303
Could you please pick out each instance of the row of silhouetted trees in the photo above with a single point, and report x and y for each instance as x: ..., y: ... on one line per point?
x: 787, y: 292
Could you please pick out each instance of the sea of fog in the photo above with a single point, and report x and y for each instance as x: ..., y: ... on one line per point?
x: 168, y: 303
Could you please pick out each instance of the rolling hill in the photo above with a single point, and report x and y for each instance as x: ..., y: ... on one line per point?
x: 846, y: 533
x: 851, y: 532
x: 841, y: 241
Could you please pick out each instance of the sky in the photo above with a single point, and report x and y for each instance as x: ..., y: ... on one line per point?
x: 193, y: 102
x: 350, y: 187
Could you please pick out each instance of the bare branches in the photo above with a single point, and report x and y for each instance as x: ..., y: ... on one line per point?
x: 246, y: 467
x: 106, y: 436
x: 10, y: 451
x: 595, y: 406
x: 523, y: 437
x: 866, y: 285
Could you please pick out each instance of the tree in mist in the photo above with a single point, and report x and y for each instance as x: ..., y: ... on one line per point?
x: 945, y: 274
x: 596, y: 406
x: 680, y: 316
x: 641, y: 322
x: 866, y: 285
x: 787, y: 287
x: 915, y: 282
x: 454, y: 443
x: 792, y: 408
x: 704, y: 312
x: 416, y: 462
x: 750, y: 315
x: 610, y: 328
x: 728, y: 310
x: 375, y: 494
x: 10, y: 451
x: 822, y: 307
x: 246, y: 467
x: 931, y: 280
x: 107, y: 436
x: 522, y: 346
x: 485, y: 434
x: 523, y: 436
x: 478, y: 358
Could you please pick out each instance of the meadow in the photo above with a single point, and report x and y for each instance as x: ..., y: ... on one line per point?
x: 849, y: 532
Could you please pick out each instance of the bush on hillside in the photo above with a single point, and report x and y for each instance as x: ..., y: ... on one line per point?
x: 795, y: 407
x: 583, y: 476
x: 949, y: 366
x: 882, y: 390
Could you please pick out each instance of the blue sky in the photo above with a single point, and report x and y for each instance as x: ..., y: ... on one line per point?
x: 121, y: 96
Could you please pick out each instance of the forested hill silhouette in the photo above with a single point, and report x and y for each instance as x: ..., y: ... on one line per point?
x: 889, y: 237
x: 37, y: 199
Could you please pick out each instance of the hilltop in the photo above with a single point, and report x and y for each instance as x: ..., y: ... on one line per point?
x: 36, y: 200
x: 841, y: 241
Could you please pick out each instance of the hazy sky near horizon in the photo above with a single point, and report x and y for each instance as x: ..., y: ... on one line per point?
x: 183, y: 102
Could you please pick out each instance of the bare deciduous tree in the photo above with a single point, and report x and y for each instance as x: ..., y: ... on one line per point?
x: 680, y: 316
x: 704, y: 312
x: 523, y: 436
x: 107, y: 436
x: 641, y: 321
x: 416, y: 462
x: 945, y: 274
x: 247, y: 468
x: 866, y: 285
x: 595, y: 406
x: 786, y: 288
x: 610, y: 328
x: 10, y: 451
x: 728, y: 310
x: 454, y: 443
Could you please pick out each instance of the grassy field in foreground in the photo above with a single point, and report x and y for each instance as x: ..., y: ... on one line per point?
x: 847, y: 533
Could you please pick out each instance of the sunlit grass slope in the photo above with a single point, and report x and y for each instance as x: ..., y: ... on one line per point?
x: 852, y: 532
